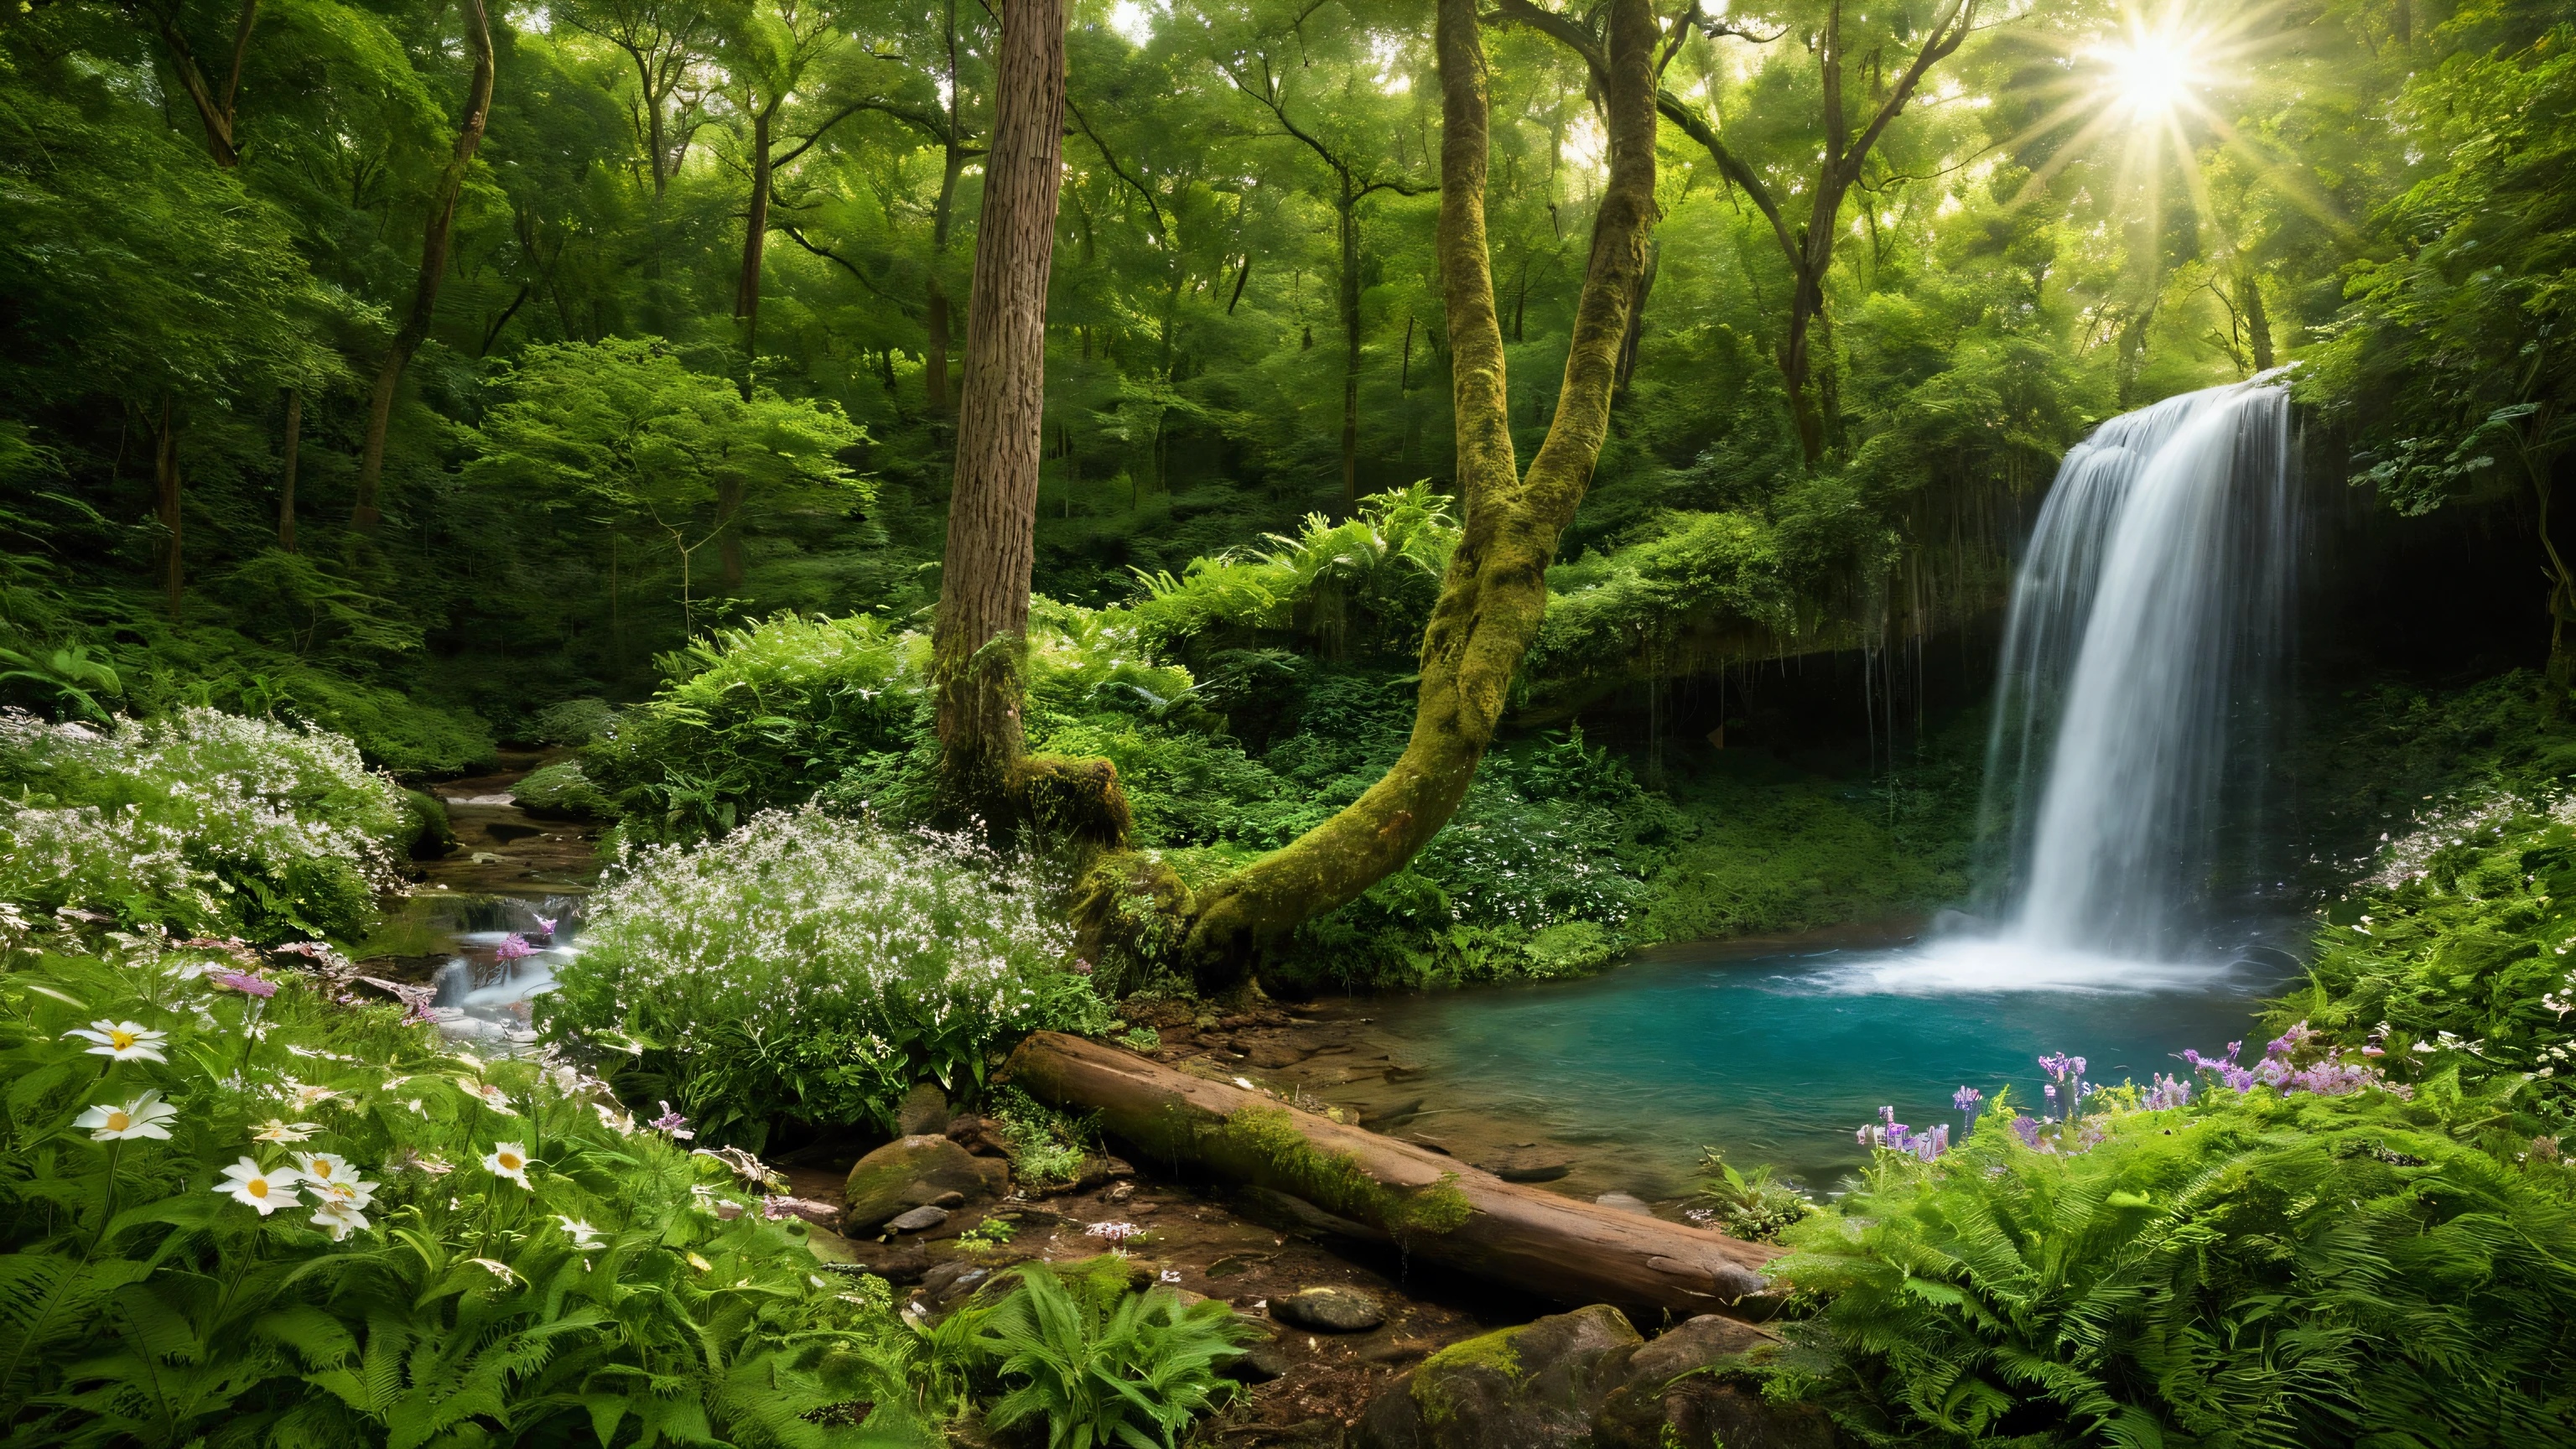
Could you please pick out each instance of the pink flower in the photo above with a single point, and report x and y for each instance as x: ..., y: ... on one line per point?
x: 513, y: 947
x: 246, y: 984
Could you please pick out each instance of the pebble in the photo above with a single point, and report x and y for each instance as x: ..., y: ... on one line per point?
x: 919, y: 1219
x: 1329, y: 1310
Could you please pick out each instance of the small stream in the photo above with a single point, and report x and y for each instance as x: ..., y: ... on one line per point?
x: 489, y: 923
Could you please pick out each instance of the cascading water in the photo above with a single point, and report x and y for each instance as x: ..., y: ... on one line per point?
x: 2147, y: 625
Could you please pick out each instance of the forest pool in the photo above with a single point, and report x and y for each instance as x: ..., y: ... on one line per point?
x: 1778, y: 1057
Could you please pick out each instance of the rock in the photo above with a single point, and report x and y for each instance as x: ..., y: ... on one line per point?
x: 1526, y: 1165
x: 1624, y: 1203
x: 1677, y: 1393
x: 1272, y: 1055
x: 1091, y: 1173
x: 820, y: 1214
x: 950, y: 1200
x: 894, y: 1262
x: 1258, y: 1364
x: 1537, y: 1386
x: 1400, y: 1350
x: 1329, y: 1310
x: 954, y: 1280
x: 914, y: 1172
x: 920, y: 1219
x: 923, y: 1111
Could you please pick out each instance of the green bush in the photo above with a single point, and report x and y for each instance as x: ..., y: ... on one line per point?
x: 560, y: 791
x: 754, y: 719
x: 815, y: 967
x: 2307, y: 1270
x: 205, y: 822
x: 572, y: 722
x: 447, y: 1251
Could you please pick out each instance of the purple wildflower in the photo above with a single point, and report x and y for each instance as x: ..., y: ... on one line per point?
x: 673, y: 1123
x: 246, y: 984
x: 2027, y: 1129
x: 1966, y: 1099
x: 2168, y: 1092
x: 546, y: 924
x: 513, y: 947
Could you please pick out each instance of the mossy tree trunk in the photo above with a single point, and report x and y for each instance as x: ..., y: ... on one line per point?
x: 1496, y: 588
x: 980, y: 632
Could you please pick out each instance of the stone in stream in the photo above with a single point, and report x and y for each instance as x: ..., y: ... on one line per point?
x: 1258, y: 1364
x: 1693, y: 1388
x: 914, y: 1172
x: 1329, y: 1310
x: 1526, y: 1165
x: 1624, y: 1202
x: 919, y: 1220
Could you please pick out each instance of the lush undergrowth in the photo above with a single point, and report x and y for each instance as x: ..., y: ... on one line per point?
x: 204, y: 822
x: 1235, y: 728
x: 814, y: 968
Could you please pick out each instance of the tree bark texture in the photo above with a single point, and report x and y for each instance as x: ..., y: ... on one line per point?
x: 1436, y: 1208
x: 433, y: 266
x: 979, y: 633
x: 286, y: 480
x: 755, y: 240
x: 1496, y: 587
x: 165, y: 499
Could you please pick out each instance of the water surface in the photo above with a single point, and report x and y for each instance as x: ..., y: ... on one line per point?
x: 1778, y: 1057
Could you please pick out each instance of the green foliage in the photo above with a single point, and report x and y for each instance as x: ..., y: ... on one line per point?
x: 1101, y: 1365
x: 1365, y: 585
x: 454, y: 1249
x: 1047, y: 1146
x: 206, y: 822
x: 816, y: 968
x: 2301, y: 1271
x: 758, y: 718
x: 560, y: 791
x: 1752, y: 1205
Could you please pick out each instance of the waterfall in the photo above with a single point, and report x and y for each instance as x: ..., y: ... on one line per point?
x: 2148, y: 623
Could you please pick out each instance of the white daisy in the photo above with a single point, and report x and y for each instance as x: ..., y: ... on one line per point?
x: 324, y: 1169
x: 249, y: 1183
x: 510, y: 1160
x: 141, y: 1117
x: 339, y: 1218
x: 123, y: 1041
x: 276, y: 1130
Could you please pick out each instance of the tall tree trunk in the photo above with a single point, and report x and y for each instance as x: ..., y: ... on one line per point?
x: 433, y: 266
x: 1637, y: 317
x: 1496, y: 588
x: 755, y: 237
x: 978, y: 635
x: 165, y: 498
x: 1350, y: 310
x: 1806, y: 303
x: 286, y: 482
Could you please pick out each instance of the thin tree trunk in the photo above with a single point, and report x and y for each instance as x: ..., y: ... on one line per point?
x: 1496, y: 588
x: 1637, y: 318
x: 1350, y: 310
x: 286, y: 484
x: 934, y: 348
x: 979, y: 633
x: 755, y: 237
x: 165, y: 497
x: 2258, y: 323
x: 729, y: 518
x: 433, y: 267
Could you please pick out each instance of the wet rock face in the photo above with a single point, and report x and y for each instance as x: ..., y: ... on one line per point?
x: 919, y: 1171
x: 1585, y: 1379
x: 923, y: 1112
x: 1329, y: 1310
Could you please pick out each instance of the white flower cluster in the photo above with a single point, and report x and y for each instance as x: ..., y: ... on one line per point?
x: 100, y: 818
x: 800, y: 916
x: 2456, y: 822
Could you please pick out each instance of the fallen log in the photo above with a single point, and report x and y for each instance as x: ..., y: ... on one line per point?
x: 1436, y: 1208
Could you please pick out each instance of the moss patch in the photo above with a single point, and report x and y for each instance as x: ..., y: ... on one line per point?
x: 1335, y: 1181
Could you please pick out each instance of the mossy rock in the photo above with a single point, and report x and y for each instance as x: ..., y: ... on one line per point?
x: 431, y: 835
x: 1538, y: 1386
x: 911, y: 1171
x: 560, y: 791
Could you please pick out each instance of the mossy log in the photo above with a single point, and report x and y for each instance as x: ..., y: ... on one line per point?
x: 1438, y: 1209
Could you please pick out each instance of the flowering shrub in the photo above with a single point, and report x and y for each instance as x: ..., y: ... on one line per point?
x: 206, y: 822
x: 229, y: 1213
x: 814, y: 967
